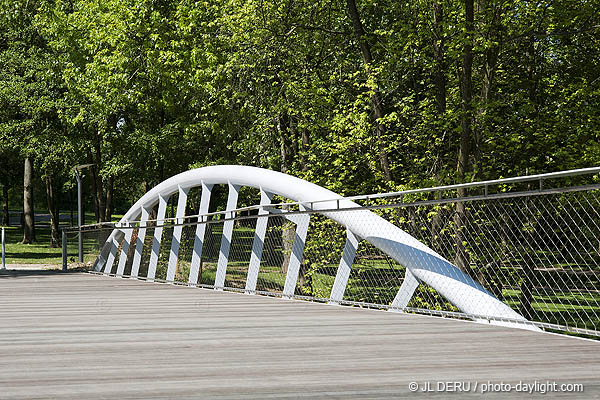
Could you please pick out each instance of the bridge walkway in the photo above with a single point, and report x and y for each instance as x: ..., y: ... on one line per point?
x: 78, y: 335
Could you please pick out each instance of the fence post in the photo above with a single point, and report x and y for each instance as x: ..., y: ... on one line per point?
x: 64, y: 251
x: 3, y: 251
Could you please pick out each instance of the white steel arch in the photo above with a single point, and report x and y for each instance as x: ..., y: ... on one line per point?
x: 422, y: 263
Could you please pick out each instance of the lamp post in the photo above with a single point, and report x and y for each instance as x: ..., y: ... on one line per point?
x: 79, y: 176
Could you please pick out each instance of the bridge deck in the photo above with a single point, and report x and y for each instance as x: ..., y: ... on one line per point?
x: 83, y: 336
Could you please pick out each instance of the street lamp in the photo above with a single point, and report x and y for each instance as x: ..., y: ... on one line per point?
x: 79, y: 176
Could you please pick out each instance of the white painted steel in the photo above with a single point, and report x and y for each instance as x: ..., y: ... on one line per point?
x: 124, y: 252
x: 139, y: 242
x: 425, y: 264
x: 226, y: 237
x: 407, y: 289
x: 199, y: 239
x: 343, y: 271
x: 180, y: 213
x: 258, y: 243
x: 291, y: 278
x: 114, y: 246
x: 162, y: 208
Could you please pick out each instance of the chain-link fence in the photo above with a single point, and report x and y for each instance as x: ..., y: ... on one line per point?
x: 93, y: 239
x: 536, y: 249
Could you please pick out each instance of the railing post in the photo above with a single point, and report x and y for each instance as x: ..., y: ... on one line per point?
x: 344, y: 268
x: 158, y: 229
x: 139, y: 244
x: 258, y: 243
x: 64, y: 250
x: 79, y: 218
x: 226, y: 237
x: 177, y: 230
x: 195, y: 273
x: 3, y: 251
x: 291, y: 278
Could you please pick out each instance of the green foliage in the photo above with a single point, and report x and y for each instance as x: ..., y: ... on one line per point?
x: 147, y: 89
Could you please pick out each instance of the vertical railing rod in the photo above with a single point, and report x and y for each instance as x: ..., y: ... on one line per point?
x: 3, y: 251
x: 64, y: 250
x: 79, y: 218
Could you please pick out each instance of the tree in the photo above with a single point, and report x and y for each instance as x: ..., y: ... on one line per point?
x: 376, y: 101
x: 28, y: 211
x: 356, y: 96
x: 10, y: 164
x: 31, y: 96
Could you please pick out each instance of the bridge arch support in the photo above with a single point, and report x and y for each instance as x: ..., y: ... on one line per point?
x: 423, y: 264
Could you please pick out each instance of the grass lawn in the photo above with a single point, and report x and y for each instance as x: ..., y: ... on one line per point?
x: 40, y: 252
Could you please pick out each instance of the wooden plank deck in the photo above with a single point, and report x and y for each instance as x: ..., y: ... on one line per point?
x: 77, y: 335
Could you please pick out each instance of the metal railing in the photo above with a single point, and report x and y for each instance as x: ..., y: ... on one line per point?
x: 3, y: 250
x: 496, y: 188
x: 533, y: 242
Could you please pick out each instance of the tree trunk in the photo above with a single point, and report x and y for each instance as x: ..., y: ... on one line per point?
x: 5, y: 213
x: 28, y: 211
x: 288, y: 229
x: 283, y: 128
x: 94, y: 193
x: 208, y: 235
x: 466, y: 94
x: 288, y: 233
x: 305, y: 280
x: 71, y: 205
x: 489, y: 71
x: 529, y: 263
x: 376, y: 104
x: 294, y: 136
x: 532, y: 79
x: 100, y: 199
x: 304, y: 152
x: 439, y: 82
x: 100, y: 195
x: 439, y: 73
x: 109, y: 197
x: 53, y: 210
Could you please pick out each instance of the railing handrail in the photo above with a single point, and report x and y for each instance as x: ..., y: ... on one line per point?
x: 485, y: 184
x: 493, y: 182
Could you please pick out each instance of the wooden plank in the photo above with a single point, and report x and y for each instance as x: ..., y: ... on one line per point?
x: 75, y: 335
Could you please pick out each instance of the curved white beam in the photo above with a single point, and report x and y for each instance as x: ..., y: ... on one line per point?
x: 424, y: 263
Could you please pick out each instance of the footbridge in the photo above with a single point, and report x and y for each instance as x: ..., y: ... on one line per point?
x: 422, y: 264
x: 311, y: 294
